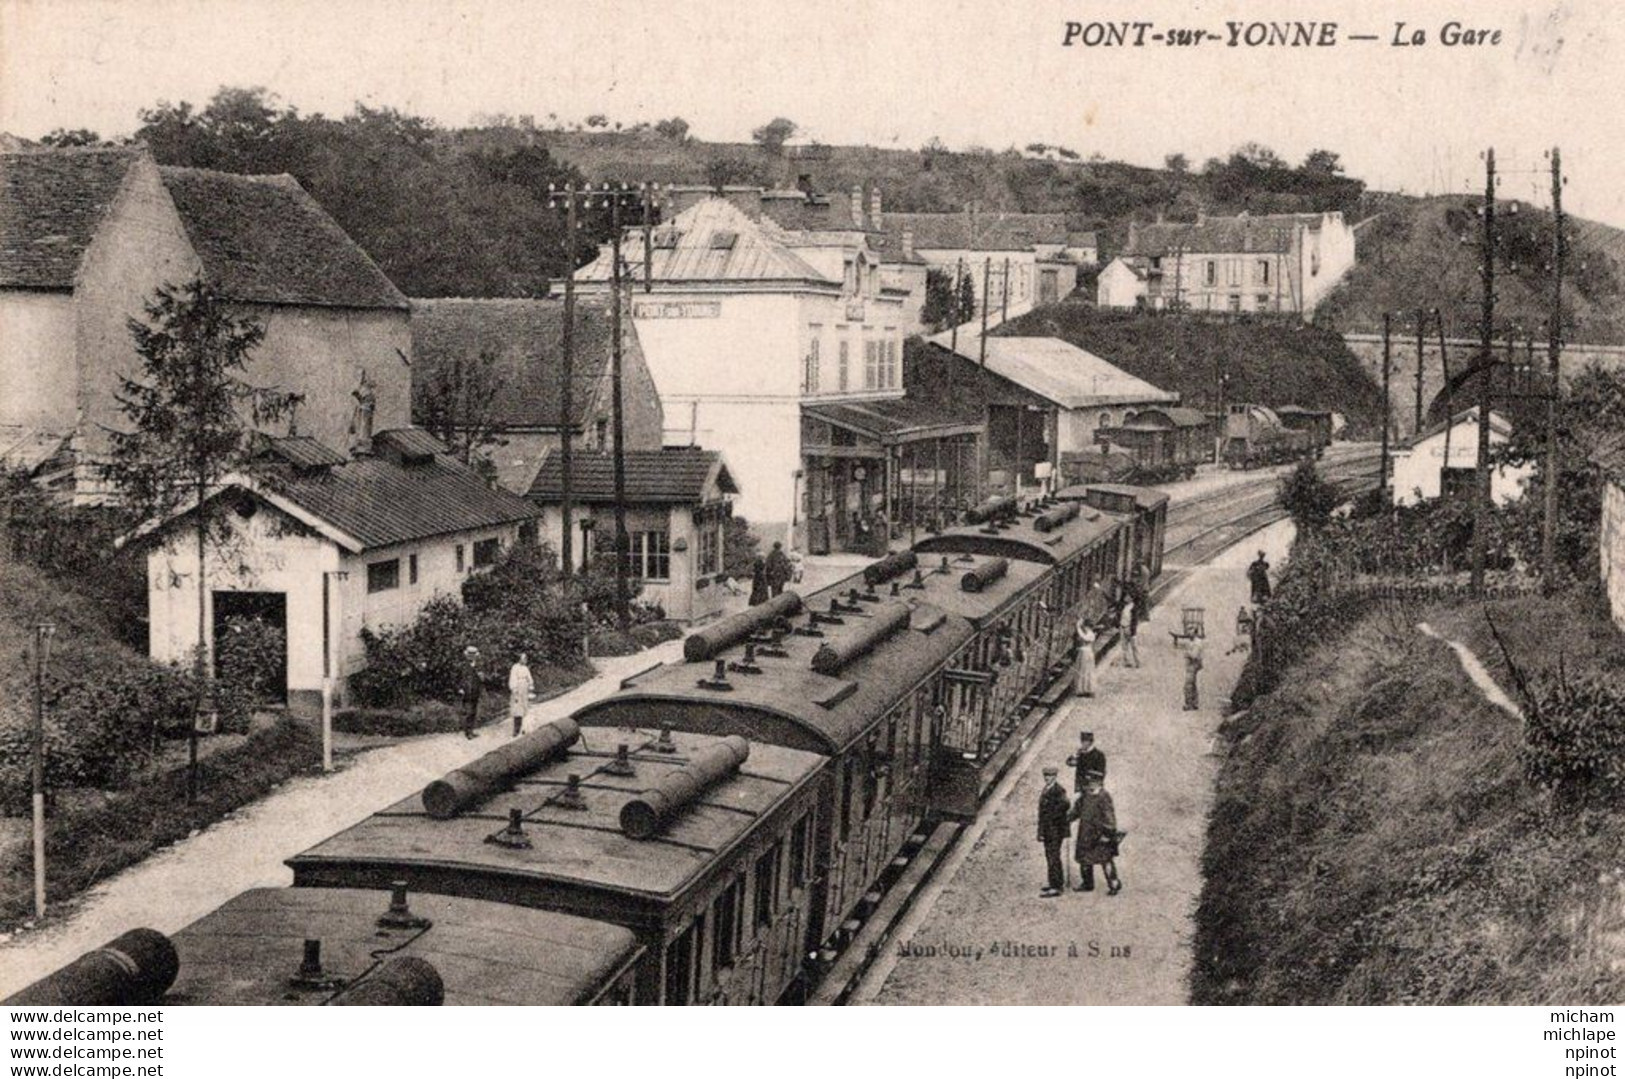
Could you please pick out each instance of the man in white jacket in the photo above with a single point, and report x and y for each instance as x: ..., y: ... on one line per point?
x: 521, y: 687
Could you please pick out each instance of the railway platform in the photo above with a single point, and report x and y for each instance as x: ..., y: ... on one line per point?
x: 980, y: 933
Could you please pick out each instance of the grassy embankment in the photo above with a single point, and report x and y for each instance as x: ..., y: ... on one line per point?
x: 1374, y: 840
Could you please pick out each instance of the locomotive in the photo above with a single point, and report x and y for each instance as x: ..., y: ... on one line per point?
x: 1255, y: 435
x: 714, y: 831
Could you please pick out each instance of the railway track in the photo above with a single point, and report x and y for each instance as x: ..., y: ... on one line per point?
x: 948, y: 841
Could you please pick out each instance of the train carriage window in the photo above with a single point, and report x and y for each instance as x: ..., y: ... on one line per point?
x: 727, y: 916
x: 680, y: 966
x: 871, y: 775
x: 767, y: 886
x: 799, y: 844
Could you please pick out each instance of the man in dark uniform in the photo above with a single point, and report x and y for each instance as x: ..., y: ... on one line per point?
x: 1258, y: 575
x: 1053, y: 831
x: 1097, y: 835
x: 778, y: 569
x: 1087, y: 759
x: 472, y: 686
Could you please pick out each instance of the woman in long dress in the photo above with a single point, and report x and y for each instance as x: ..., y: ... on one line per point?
x: 1084, y: 684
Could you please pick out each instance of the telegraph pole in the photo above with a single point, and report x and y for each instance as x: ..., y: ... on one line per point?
x: 567, y: 382
x: 1421, y: 329
x: 1004, y: 304
x: 1387, y: 407
x: 623, y: 611
x: 42, y: 638
x: 987, y: 284
x: 1444, y: 374
x: 1486, y: 360
x: 1554, y: 352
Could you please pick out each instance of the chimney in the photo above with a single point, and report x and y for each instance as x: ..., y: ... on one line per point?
x: 856, y: 205
x: 804, y: 183
x: 874, y: 207
x: 1133, y: 233
x: 908, y: 243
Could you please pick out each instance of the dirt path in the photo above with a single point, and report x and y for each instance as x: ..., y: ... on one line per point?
x: 981, y: 935
x: 182, y: 883
x: 1475, y: 670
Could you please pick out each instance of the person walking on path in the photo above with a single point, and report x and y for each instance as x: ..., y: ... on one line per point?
x: 1088, y: 759
x: 758, y: 581
x: 521, y: 687
x: 1097, y: 835
x: 1192, y: 648
x: 1084, y: 683
x: 1258, y: 575
x: 472, y: 687
x: 1128, y: 622
x: 1053, y: 831
x: 778, y: 569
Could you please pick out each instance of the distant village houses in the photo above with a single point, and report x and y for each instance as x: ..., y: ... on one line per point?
x: 1273, y: 263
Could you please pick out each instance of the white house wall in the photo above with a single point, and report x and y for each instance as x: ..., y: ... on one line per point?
x: 1612, y: 547
x: 1416, y: 470
x: 38, y: 371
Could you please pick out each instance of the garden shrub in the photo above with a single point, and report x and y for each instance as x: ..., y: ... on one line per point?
x: 1574, y: 740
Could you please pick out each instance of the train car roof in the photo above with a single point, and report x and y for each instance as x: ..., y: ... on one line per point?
x: 245, y: 951
x: 1147, y: 498
x: 1021, y: 539
x: 574, y: 853
x: 789, y: 701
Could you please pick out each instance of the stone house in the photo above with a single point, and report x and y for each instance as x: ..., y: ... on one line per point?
x: 525, y: 339
x: 87, y: 236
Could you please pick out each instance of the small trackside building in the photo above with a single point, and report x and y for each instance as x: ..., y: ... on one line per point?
x: 325, y: 547
x: 1444, y: 459
x: 678, y: 500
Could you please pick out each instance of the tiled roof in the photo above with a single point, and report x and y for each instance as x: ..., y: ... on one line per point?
x: 1243, y: 234
x: 381, y: 503
x: 263, y: 239
x: 51, y: 204
x: 526, y: 337
x: 1059, y: 371
x: 302, y: 451
x: 712, y: 240
x: 896, y: 420
x: 672, y: 476
x: 977, y: 232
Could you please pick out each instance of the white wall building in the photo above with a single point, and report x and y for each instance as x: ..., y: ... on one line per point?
x: 742, y: 327
x: 333, y: 547
x: 1423, y: 467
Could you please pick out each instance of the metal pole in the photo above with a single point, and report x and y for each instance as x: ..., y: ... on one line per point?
x: 623, y: 610
x: 1554, y: 352
x: 1382, y: 476
x: 1421, y: 328
x: 567, y: 390
x: 327, y: 673
x: 1481, y: 505
x: 42, y: 636
x: 913, y: 489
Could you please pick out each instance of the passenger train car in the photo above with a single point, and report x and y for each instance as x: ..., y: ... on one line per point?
x: 714, y: 831
x: 1166, y: 443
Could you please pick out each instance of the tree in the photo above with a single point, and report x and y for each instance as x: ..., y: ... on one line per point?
x: 460, y: 405
x: 967, y: 300
x: 1178, y: 164
x: 940, y: 303
x: 191, y: 416
x: 1308, y: 497
x: 675, y: 129
x: 727, y: 169
x: 597, y: 119
x: 1322, y: 163
x: 772, y: 135
x: 79, y: 136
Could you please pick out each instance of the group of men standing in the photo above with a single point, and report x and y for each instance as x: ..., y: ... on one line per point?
x: 1097, y: 838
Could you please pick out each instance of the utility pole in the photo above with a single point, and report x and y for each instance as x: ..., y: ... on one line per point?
x: 1387, y: 407
x: 1004, y: 305
x: 987, y: 284
x: 623, y: 545
x: 1486, y: 360
x: 1554, y: 353
x: 1421, y: 328
x: 567, y: 383
x: 42, y: 638
x: 953, y: 331
x: 1444, y: 373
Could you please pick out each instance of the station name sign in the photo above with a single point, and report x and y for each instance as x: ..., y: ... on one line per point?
x: 651, y: 309
x: 1292, y: 34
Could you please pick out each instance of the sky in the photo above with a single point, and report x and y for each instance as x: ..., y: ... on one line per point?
x: 893, y: 74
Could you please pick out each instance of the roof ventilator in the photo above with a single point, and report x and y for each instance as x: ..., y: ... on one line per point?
x: 918, y: 582
x: 570, y: 796
x: 665, y: 743
x: 719, y: 678
x: 745, y: 665
x: 399, y: 915
x: 513, y: 836
x: 621, y: 763
x: 310, y: 974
